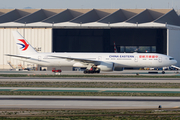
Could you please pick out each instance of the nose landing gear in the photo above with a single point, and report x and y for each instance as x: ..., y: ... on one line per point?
x: 163, y: 70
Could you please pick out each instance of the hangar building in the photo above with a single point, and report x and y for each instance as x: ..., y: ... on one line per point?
x: 90, y: 30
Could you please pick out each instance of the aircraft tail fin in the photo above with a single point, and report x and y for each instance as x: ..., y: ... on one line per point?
x: 23, y: 46
x: 115, y: 50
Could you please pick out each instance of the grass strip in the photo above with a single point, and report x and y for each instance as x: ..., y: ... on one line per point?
x: 88, y: 93
x: 110, y: 117
x: 90, y: 84
x: 90, y: 114
x: 91, y: 76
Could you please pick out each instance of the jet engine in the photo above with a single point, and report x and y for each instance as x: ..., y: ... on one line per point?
x: 106, y: 66
x: 118, y: 69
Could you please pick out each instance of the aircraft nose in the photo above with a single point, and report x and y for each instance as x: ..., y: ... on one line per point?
x: 175, y: 61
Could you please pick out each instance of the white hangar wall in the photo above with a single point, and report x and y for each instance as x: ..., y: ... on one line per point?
x: 37, y: 37
x: 173, y: 43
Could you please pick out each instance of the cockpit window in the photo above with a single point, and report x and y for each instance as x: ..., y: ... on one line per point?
x: 171, y: 58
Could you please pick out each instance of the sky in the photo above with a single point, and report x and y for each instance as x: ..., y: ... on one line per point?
x: 89, y: 4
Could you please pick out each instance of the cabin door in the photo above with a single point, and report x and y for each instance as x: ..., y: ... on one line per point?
x: 136, y: 58
x: 160, y: 59
x: 99, y: 58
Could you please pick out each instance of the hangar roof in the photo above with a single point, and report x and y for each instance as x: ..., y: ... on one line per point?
x: 87, y: 17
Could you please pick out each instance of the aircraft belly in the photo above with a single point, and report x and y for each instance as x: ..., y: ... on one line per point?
x: 124, y: 63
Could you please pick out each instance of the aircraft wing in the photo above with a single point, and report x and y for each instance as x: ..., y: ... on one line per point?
x: 79, y: 59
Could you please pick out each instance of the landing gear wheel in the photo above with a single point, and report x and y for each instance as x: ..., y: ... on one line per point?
x: 163, y: 72
x: 92, y: 70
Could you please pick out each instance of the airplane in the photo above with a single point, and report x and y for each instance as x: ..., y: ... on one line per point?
x: 97, y: 61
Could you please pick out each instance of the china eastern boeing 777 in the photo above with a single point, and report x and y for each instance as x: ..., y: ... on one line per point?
x: 100, y: 61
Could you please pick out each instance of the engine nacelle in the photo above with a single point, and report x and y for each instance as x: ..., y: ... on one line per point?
x: 106, y: 66
x: 118, y: 69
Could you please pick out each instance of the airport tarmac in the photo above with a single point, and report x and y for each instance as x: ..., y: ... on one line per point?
x: 101, y: 90
x: 125, y: 72
x: 139, y: 80
x: 95, y: 79
x: 88, y: 102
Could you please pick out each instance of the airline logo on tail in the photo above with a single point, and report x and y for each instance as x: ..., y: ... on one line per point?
x: 24, y: 45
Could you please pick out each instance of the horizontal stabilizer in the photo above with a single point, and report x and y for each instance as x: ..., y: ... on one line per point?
x: 19, y: 56
x: 25, y: 57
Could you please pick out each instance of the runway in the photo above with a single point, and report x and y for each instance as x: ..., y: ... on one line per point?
x: 90, y: 102
x: 125, y: 72
x: 117, y: 90
x: 87, y: 102
x: 139, y: 80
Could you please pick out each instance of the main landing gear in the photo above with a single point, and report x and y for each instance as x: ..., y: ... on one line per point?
x: 93, y: 69
x: 163, y: 71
